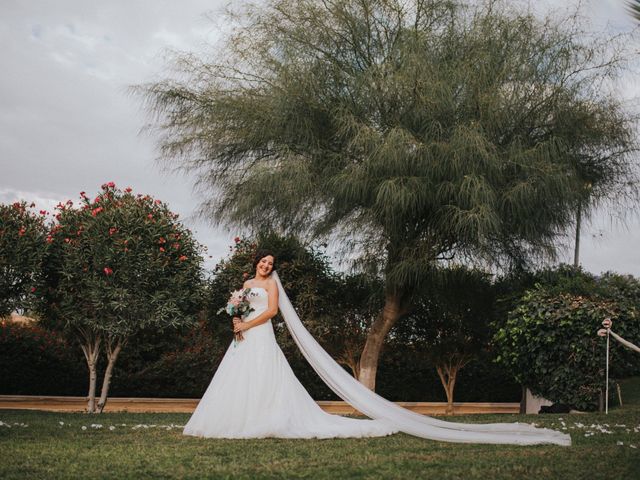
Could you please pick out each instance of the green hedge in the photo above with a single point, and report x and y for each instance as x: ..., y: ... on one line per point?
x: 35, y: 361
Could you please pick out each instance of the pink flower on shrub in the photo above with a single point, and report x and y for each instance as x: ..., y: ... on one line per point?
x: 112, y: 230
x: 237, y: 239
x: 182, y: 258
x: 150, y: 216
x: 107, y: 271
x: 161, y: 249
x: 22, y: 231
x: 128, y: 189
x: 96, y: 211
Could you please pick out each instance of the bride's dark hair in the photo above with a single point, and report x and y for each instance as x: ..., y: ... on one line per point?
x: 260, y: 254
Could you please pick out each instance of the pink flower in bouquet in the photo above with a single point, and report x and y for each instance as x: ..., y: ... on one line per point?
x: 238, y: 306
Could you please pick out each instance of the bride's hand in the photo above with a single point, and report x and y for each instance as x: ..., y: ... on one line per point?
x: 240, y: 327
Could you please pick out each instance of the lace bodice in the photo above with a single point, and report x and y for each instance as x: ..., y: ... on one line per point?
x: 259, y: 301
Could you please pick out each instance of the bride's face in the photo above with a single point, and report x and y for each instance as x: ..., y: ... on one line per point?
x: 265, y: 266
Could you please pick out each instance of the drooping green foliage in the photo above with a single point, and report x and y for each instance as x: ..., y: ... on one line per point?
x: 22, y: 248
x: 421, y: 129
x: 633, y: 6
x: 549, y: 342
x: 413, y: 131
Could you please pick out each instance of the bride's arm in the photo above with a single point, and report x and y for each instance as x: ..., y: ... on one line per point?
x: 270, y: 312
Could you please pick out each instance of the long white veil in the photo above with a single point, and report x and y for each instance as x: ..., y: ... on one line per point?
x: 378, y: 408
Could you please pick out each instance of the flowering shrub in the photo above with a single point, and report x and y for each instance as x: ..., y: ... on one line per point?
x: 22, y: 234
x: 116, y: 264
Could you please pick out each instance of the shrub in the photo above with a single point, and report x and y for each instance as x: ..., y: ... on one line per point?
x: 35, y: 361
x: 549, y: 343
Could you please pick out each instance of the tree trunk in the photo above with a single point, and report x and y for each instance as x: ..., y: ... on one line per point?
x: 112, y: 356
x: 576, y: 252
x: 375, y: 339
x: 90, y: 345
x: 448, y: 374
x: 349, y: 357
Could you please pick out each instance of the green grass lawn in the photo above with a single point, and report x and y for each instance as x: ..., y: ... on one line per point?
x: 127, y: 445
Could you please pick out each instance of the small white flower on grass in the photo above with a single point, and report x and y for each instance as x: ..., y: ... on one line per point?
x: 632, y: 445
x: 61, y: 423
x: 619, y: 443
x: 112, y: 428
x: 83, y: 427
x: 96, y: 425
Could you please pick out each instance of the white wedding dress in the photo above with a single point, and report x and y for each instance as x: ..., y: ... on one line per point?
x: 254, y: 394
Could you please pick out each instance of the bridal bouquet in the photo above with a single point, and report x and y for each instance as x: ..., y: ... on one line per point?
x: 238, y: 306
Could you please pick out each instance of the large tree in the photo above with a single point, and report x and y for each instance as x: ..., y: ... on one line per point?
x: 414, y: 131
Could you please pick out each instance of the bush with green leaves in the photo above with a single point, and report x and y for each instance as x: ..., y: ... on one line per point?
x: 36, y: 361
x: 115, y: 265
x: 22, y: 247
x: 549, y: 343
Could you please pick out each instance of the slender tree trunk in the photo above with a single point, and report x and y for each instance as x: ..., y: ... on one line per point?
x: 576, y: 253
x: 112, y: 356
x: 350, y: 358
x: 448, y: 373
x: 90, y: 345
x: 375, y: 339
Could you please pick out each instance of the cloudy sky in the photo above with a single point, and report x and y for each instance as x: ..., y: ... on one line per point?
x: 67, y: 123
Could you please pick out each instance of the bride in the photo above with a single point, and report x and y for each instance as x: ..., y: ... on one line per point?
x: 255, y: 394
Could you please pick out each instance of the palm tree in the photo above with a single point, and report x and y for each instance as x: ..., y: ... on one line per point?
x: 633, y: 6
